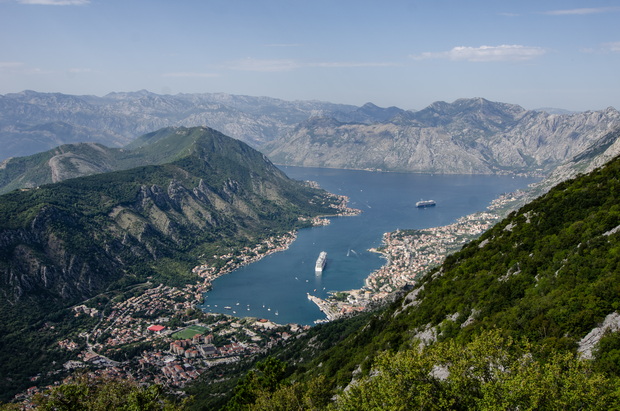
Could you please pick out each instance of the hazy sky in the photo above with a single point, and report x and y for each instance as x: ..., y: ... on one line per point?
x: 405, y: 53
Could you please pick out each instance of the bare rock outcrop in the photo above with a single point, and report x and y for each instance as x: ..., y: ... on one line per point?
x: 591, y: 340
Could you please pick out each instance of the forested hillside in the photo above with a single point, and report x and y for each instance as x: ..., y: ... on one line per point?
x: 63, y: 243
x: 506, y: 322
x: 82, y: 159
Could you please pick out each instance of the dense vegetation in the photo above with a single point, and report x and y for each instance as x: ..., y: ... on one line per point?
x: 102, y: 394
x: 490, y: 372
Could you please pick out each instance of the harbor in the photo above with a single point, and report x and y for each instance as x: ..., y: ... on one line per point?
x: 282, y: 280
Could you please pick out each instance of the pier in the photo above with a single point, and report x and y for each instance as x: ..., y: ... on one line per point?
x: 326, y: 307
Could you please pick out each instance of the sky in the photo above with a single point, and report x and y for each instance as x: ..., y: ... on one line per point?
x: 405, y: 53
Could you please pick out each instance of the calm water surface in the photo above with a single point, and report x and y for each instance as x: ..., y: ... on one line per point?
x: 276, y: 286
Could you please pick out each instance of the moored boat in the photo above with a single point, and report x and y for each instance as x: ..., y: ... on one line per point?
x: 320, y: 262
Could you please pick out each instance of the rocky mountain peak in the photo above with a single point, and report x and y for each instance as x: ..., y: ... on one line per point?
x: 466, y: 136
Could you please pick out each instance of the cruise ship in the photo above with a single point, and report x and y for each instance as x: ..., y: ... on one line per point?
x: 425, y: 203
x: 320, y: 262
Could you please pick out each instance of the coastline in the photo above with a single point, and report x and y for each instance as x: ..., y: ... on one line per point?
x: 248, y: 255
x: 125, y: 324
x: 153, y: 315
x: 412, y: 253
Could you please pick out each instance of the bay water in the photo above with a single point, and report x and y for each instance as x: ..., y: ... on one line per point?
x: 276, y: 287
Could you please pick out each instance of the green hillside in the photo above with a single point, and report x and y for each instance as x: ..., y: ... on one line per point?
x: 66, y: 242
x: 501, y: 320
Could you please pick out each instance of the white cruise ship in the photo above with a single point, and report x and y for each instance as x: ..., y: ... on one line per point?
x: 320, y: 262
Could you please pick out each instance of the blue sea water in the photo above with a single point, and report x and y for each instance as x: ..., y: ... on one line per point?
x: 276, y: 287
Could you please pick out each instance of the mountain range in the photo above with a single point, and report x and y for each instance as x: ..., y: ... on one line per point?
x: 31, y: 122
x: 187, y: 189
x: 87, y: 218
x: 467, y: 136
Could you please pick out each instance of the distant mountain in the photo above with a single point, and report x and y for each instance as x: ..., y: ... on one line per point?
x: 552, y: 110
x: 31, y: 122
x: 472, y: 136
x: 596, y: 155
x: 468, y: 136
x: 83, y: 159
x: 24, y: 139
x: 368, y: 114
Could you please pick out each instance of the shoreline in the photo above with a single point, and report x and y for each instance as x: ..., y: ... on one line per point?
x: 208, y: 273
x: 412, y: 253
x: 408, y: 253
x: 123, y: 324
x: 152, y: 315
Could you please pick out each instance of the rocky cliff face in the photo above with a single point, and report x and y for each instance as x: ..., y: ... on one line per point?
x: 596, y: 155
x: 469, y: 136
x: 37, y: 262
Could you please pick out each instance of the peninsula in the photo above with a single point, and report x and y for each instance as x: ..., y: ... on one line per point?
x: 410, y: 254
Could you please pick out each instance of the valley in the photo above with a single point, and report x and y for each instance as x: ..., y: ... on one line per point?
x: 92, y: 237
x: 537, y: 285
x: 110, y: 255
x: 142, y: 333
x: 308, y: 206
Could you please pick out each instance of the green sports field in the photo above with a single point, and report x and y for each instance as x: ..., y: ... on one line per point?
x: 189, y: 332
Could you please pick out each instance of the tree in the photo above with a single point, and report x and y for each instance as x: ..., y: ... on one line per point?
x: 491, y: 372
x: 264, y: 380
x: 104, y: 394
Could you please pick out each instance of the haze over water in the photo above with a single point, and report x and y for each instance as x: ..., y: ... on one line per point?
x: 276, y: 287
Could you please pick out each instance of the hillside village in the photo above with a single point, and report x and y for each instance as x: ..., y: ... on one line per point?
x: 175, y: 340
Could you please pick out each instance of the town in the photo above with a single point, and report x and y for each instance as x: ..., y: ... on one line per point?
x: 154, y: 333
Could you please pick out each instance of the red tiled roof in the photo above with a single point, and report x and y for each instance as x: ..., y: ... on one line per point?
x: 156, y: 328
